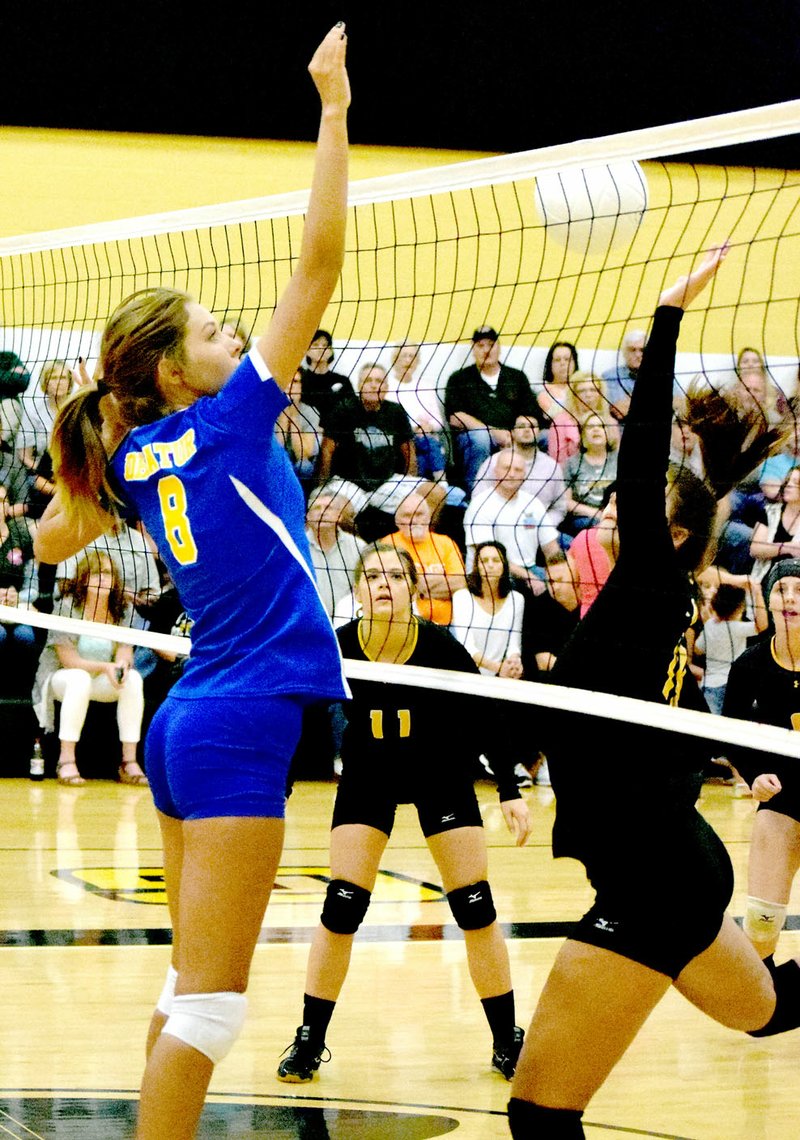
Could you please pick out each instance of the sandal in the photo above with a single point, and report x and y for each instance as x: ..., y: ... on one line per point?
x: 131, y: 773
x: 74, y: 781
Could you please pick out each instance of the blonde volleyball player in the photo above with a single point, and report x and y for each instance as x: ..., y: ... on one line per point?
x: 410, y: 744
x: 179, y: 433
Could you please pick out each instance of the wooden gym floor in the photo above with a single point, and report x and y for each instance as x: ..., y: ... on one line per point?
x: 84, y: 945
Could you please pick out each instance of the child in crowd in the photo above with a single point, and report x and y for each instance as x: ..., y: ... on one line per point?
x: 724, y: 636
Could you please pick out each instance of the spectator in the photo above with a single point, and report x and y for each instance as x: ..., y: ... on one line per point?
x: 724, y: 637
x: 18, y: 643
x: 78, y: 669
x: 323, y: 388
x: 488, y: 613
x: 335, y: 551
x: 585, y: 393
x: 367, y: 442
x: 39, y: 411
x: 425, y: 410
x: 135, y: 564
x: 547, y: 623
x: 438, y: 561
x: 620, y: 379
x: 588, y: 475
x: 549, y: 619
x: 776, y: 534
x: 38, y: 415
x: 544, y: 478
x: 559, y: 365
x: 754, y: 392
x: 754, y: 388
x: 236, y: 330
x: 14, y: 380
x: 298, y: 429
x: 684, y: 448
x: 510, y: 516
x: 482, y: 402
x: 593, y: 553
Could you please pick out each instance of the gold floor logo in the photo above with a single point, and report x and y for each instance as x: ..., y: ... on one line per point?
x: 293, y: 885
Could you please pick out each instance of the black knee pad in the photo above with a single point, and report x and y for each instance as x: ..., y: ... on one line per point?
x: 786, y: 980
x: 528, y: 1120
x: 345, y: 906
x: 472, y: 906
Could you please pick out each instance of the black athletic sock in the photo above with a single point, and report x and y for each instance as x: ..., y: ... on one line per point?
x: 786, y: 979
x: 317, y: 1014
x: 500, y: 1015
x: 528, y: 1121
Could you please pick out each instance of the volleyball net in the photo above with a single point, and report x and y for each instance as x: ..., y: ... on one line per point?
x: 569, y: 244
x: 582, y: 702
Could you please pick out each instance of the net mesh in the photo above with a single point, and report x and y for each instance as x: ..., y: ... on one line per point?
x: 507, y: 243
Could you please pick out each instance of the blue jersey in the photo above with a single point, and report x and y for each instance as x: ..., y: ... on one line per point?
x: 217, y: 493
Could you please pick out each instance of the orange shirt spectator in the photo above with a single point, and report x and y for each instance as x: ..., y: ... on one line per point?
x: 436, y: 556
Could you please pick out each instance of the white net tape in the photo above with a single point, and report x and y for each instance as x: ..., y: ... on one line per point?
x: 726, y: 730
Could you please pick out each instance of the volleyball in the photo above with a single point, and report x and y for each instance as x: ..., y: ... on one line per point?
x: 592, y: 210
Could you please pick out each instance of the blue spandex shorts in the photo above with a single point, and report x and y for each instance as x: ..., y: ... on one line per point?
x: 222, y: 756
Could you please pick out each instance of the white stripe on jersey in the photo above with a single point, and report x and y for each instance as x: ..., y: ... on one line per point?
x: 279, y: 529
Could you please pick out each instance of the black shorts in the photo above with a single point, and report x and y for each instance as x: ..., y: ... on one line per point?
x: 786, y: 802
x: 439, y: 807
x: 661, y: 899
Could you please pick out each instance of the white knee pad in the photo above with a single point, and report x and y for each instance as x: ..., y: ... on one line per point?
x: 164, y: 1003
x: 763, y: 920
x: 210, y: 1023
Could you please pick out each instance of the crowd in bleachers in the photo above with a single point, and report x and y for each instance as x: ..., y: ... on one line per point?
x: 499, y: 485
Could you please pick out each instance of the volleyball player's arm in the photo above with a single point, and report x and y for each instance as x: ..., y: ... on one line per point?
x: 644, y: 449
x: 300, y: 309
x: 59, y: 535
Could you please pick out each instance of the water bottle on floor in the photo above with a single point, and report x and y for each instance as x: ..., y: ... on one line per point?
x: 37, y: 763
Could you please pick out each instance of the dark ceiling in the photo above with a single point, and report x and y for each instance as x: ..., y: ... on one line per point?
x: 502, y: 75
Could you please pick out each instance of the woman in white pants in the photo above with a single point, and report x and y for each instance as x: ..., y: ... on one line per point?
x: 77, y: 670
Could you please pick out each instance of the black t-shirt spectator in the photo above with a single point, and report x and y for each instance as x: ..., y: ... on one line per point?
x: 546, y: 625
x: 326, y: 391
x: 369, y: 443
x: 15, y: 550
x: 496, y: 406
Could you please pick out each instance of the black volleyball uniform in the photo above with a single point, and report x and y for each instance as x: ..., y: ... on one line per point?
x: 761, y: 690
x: 625, y: 794
x: 412, y: 744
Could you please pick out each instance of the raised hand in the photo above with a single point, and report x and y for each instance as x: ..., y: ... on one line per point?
x: 328, y: 70
x: 686, y: 288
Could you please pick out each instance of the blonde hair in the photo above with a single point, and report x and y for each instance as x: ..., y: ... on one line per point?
x: 145, y: 328
x: 574, y: 404
x: 49, y: 368
x: 96, y: 562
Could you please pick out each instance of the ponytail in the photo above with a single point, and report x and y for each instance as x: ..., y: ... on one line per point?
x: 80, y: 460
x: 145, y: 328
x: 733, y: 440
